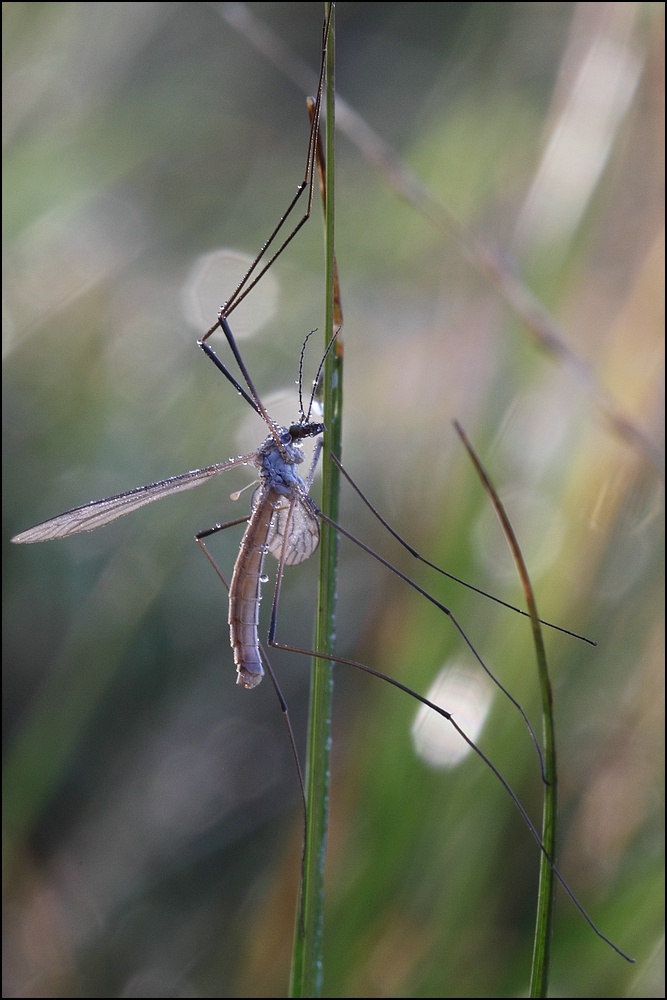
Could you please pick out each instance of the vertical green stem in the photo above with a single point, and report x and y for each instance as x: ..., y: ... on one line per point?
x: 539, y: 980
x: 306, y: 979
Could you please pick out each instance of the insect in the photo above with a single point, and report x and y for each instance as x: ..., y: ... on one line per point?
x: 381, y: 931
x: 283, y: 522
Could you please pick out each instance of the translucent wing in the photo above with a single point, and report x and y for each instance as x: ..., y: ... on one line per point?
x: 303, y: 533
x: 99, y: 512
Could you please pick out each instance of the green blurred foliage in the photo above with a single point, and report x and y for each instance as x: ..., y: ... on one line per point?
x: 151, y: 809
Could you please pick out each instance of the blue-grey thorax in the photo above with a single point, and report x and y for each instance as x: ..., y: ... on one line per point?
x: 277, y: 471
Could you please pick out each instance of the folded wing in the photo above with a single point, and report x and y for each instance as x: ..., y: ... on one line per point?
x: 303, y: 531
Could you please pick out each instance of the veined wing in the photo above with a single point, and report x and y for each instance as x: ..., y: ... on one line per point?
x: 99, y: 512
x: 303, y: 533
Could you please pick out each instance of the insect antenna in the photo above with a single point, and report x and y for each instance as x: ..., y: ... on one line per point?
x: 317, y: 381
x: 303, y: 417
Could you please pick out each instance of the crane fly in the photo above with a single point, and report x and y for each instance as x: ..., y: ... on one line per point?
x: 283, y: 522
x: 284, y: 519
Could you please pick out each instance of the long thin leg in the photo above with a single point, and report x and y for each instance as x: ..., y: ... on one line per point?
x: 245, y: 286
x: 255, y: 402
x: 313, y: 464
x: 253, y: 399
x: 214, y: 530
x: 448, y: 716
x: 276, y: 687
x: 444, y: 572
x: 450, y: 615
x: 210, y: 353
x: 283, y: 704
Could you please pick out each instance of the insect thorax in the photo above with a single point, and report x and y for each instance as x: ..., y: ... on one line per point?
x: 277, y: 467
x: 277, y: 464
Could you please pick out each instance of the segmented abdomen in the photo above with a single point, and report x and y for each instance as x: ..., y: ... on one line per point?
x: 245, y: 591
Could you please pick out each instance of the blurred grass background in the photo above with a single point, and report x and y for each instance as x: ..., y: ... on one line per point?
x: 151, y: 825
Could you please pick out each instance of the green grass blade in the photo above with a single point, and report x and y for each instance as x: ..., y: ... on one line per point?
x: 306, y: 978
x: 547, y: 885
